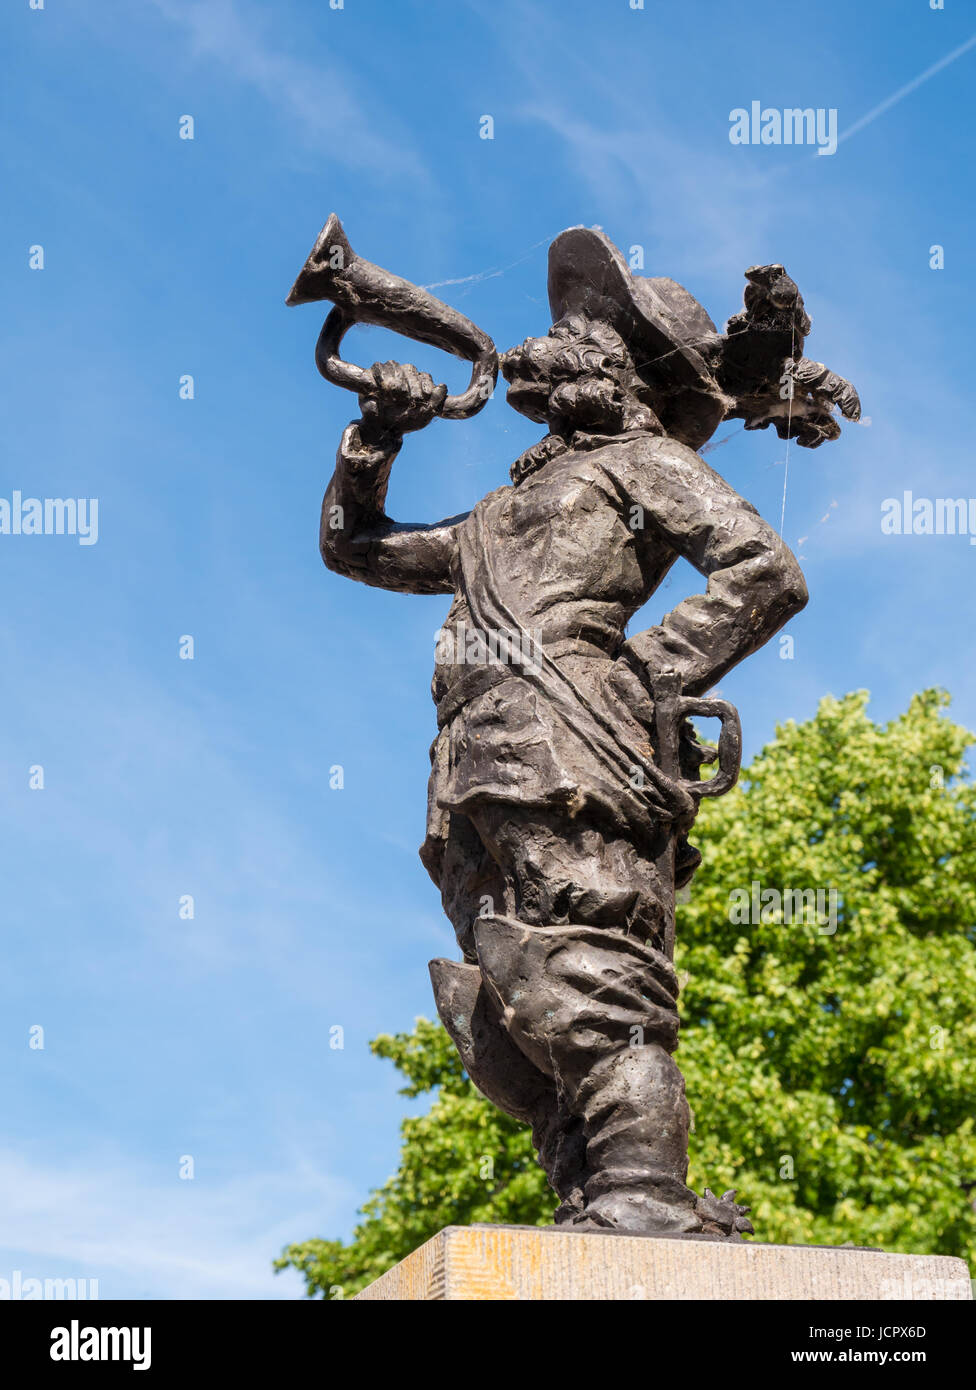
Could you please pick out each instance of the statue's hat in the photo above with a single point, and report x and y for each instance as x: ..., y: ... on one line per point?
x: 668, y: 333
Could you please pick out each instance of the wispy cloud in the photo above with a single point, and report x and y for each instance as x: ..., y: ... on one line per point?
x: 320, y: 101
x: 133, y: 1230
x: 637, y: 162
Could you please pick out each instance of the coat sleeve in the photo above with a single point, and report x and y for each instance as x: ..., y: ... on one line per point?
x: 356, y: 537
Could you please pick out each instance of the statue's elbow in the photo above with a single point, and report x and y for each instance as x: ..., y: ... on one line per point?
x: 329, y: 553
x: 793, y: 591
x: 780, y: 588
x: 336, y: 546
x: 337, y: 554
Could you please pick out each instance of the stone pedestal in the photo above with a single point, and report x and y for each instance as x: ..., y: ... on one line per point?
x: 521, y: 1263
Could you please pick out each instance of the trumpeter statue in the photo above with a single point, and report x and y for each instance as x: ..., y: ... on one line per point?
x: 566, y: 774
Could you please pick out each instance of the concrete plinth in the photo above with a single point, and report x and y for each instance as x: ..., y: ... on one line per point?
x: 518, y: 1263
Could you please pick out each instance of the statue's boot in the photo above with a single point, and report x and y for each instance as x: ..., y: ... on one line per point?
x: 506, y: 1076
x: 637, y: 1121
x: 596, y: 1011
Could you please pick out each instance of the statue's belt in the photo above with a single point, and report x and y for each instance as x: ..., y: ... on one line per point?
x: 476, y: 680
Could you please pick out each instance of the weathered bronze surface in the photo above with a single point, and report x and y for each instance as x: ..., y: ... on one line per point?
x: 566, y: 774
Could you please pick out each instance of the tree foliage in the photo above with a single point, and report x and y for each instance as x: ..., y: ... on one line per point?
x: 831, y: 1070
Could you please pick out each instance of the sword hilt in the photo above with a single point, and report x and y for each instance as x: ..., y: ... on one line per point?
x: 671, y: 708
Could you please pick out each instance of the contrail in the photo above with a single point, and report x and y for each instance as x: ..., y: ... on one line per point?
x: 904, y: 91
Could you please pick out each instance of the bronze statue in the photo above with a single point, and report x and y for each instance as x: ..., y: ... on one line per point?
x: 566, y: 774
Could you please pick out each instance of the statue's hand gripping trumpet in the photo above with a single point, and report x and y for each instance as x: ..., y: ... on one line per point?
x: 565, y: 773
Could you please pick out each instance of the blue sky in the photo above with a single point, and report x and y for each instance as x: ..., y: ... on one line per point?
x: 163, y: 257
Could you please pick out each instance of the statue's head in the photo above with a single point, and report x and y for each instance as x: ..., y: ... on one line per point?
x: 579, y: 377
x: 631, y: 351
x: 624, y: 352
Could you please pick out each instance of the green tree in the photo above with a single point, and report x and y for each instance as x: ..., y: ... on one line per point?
x: 830, y: 1062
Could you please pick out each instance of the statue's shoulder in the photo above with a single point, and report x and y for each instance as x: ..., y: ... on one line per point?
x: 658, y: 466
x: 497, y: 494
x: 491, y: 502
x: 644, y: 451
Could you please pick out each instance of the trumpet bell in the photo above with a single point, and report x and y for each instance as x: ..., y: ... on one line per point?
x: 365, y: 293
x: 327, y: 258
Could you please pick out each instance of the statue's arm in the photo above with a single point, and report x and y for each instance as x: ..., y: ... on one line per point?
x: 356, y: 537
x: 754, y: 582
